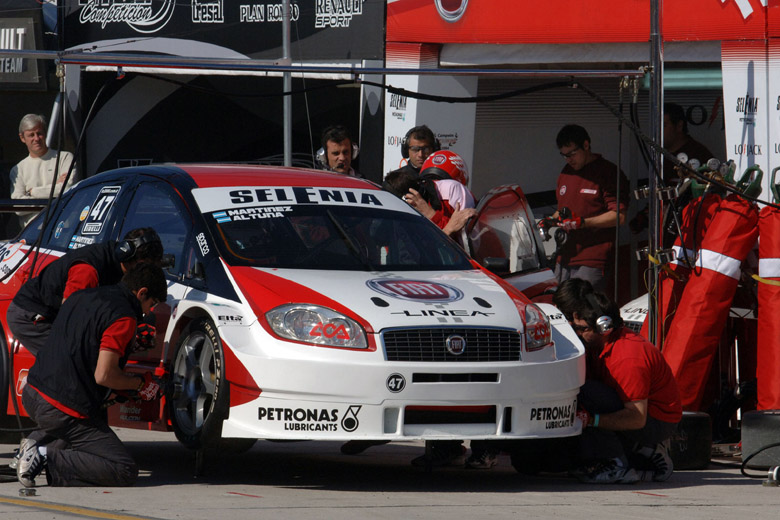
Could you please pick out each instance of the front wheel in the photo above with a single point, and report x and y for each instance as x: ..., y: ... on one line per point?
x: 199, y: 401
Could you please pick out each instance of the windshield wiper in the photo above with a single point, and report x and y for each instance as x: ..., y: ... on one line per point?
x: 351, y: 245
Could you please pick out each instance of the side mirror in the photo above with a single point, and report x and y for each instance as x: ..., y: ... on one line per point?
x: 168, y: 261
x: 496, y: 265
x: 197, y: 271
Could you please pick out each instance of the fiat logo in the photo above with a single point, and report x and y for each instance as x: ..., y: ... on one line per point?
x: 456, y: 345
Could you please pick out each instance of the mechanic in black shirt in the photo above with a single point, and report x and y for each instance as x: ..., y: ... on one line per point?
x: 33, y: 309
x: 83, y: 358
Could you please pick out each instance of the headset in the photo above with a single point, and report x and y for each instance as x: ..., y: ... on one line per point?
x: 322, y: 160
x: 415, y: 130
x: 604, y: 323
x: 126, y: 249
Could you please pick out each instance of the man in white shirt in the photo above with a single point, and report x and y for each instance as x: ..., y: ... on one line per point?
x: 32, y: 177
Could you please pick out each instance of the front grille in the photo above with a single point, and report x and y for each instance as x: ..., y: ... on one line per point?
x: 429, y: 344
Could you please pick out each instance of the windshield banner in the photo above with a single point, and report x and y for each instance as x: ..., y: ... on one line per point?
x: 247, y: 198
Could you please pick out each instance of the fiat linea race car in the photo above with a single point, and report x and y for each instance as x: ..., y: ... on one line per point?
x: 309, y: 305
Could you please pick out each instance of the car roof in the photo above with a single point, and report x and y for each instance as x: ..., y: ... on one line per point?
x: 217, y: 175
x: 213, y: 175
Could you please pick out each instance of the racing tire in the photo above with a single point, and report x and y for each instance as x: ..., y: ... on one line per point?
x: 198, y: 399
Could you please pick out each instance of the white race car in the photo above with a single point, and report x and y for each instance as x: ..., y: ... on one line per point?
x: 308, y: 305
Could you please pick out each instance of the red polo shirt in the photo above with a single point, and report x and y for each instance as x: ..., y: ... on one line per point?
x: 637, y: 371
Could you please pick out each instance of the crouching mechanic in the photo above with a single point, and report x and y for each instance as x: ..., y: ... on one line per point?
x: 629, y: 405
x: 83, y: 358
x: 33, y: 309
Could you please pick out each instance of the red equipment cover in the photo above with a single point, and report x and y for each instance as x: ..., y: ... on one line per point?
x: 701, y: 315
x: 768, y: 341
x: 695, y: 219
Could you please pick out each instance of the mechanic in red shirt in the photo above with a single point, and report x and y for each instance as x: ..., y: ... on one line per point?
x: 587, y: 187
x: 84, y: 357
x: 629, y: 405
x: 33, y: 309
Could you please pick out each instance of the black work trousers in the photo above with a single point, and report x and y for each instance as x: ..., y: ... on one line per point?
x: 86, y: 452
x: 598, y: 443
x: 23, y: 326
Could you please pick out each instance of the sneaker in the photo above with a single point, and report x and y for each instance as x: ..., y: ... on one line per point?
x: 355, y: 447
x: 18, y: 453
x: 30, y: 464
x: 613, y: 471
x: 660, y: 461
x: 442, y: 454
x: 484, y: 460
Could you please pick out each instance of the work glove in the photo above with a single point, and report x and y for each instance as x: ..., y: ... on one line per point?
x: 570, y: 224
x: 144, y: 336
x: 149, y: 389
x: 584, y: 417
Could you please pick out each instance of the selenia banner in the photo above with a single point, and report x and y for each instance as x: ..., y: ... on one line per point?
x: 321, y: 29
x: 751, y: 100
x: 570, y: 21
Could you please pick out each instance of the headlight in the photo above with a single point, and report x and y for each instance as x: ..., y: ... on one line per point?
x: 537, y: 328
x: 316, y: 325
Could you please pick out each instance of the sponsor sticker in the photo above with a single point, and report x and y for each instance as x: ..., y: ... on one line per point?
x: 223, y: 201
x: 555, y: 416
x: 415, y: 290
x: 312, y: 419
x: 11, y: 257
x: 230, y: 319
x: 202, y: 243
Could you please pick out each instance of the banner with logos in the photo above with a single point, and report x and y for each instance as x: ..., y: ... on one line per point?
x: 750, y: 113
x: 20, y: 30
x: 570, y: 21
x: 320, y: 30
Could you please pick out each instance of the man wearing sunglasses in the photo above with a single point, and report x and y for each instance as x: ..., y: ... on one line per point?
x: 629, y: 405
x: 588, y: 190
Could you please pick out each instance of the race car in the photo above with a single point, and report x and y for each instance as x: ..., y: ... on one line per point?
x: 310, y: 305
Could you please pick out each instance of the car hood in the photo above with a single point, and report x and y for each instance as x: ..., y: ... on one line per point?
x: 383, y: 300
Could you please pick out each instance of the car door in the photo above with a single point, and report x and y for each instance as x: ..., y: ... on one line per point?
x: 504, y: 228
x: 157, y: 205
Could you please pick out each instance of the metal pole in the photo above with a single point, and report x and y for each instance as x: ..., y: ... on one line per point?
x: 287, y: 83
x: 656, y: 127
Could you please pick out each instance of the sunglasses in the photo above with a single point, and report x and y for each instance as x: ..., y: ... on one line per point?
x: 570, y: 154
x: 580, y: 328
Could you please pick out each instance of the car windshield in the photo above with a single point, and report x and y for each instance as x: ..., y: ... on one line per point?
x: 333, y: 237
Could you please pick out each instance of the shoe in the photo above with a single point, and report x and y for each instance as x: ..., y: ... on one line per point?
x: 442, y: 454
x: 18, y: 452
x: 484, y: 460
x: 613, y: 471
x: 660, y: 462
x: 355, y: 447
x: 31, y: 463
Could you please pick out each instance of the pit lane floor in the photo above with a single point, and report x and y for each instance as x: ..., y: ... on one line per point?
x: 313, y: 480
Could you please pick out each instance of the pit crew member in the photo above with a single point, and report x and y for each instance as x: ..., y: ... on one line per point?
x: 33, y: 309
x: 83, y: 358
x: 587, y: 186
x: 629, y: 404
